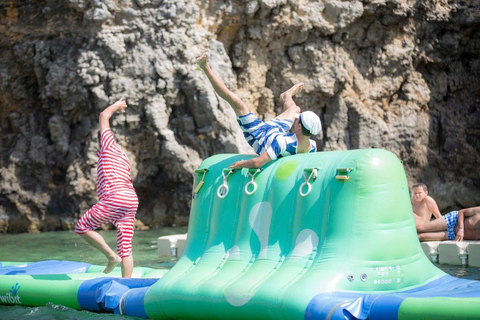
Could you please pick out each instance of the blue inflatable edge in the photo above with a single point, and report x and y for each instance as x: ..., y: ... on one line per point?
x: 351, y: 305
x: 134, y: 303
x: 46, y: 267
x: 117, y: 295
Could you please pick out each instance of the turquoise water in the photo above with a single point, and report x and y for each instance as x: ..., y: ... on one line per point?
x: 66, y: 245
x: 461, y: 272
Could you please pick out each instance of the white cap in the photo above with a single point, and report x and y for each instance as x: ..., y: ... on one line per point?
x: 310, y: 121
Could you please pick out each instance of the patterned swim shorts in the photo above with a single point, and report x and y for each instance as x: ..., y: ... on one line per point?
x: 451, y: 219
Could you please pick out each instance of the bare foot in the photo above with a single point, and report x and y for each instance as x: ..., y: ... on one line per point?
x: 112, y: 264
x: 292, y: 91
x: 202, y: 60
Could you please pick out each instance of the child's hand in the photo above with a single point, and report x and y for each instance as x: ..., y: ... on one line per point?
x: 202, y: 61
x: 120, y: 105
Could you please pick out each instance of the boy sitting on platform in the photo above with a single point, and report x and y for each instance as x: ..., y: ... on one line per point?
x: 456, y: 225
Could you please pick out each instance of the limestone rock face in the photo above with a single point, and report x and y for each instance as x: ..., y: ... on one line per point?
x: 400, y: 75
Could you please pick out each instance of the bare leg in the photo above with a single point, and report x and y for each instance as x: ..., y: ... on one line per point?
x: 127, y: 266
x: 289, y: 106
x: 433, y: 236
x: 97, y: 241
x: 286, y: 97
x: 438, y: 224
x: 221, y: 89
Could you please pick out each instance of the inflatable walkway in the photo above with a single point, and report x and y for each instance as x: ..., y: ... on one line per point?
x: 329, y: 235
x: 72, y: 284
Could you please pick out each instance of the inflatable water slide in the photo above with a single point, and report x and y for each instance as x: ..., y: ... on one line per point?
x: 329, y: 235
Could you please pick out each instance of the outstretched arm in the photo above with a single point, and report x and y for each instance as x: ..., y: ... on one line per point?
x: 257, y: 162
x: 105, y: 115
x: 221, y: 89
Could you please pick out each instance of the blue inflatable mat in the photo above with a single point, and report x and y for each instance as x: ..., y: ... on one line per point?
x: 46, y: 267
x: 350, y: 305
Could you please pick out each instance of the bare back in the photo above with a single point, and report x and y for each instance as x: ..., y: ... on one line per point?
x: 472, y: 224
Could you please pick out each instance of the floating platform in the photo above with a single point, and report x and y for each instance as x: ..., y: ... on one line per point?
x: 171, y: 245
x: 326, y: 235
x: 464, y: 253
x: 76, y: 285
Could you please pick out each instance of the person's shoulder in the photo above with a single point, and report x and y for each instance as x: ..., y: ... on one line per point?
x: 430, y: 201
x: 106, y: 134
x: 108, y: 140
x: 106, y: 131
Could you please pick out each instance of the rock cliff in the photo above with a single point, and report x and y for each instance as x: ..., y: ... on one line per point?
x: 394, y: 74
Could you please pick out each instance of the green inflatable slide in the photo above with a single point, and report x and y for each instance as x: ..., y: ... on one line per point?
x: 310, y: 236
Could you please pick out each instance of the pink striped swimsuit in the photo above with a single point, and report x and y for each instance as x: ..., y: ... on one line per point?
x: 117, y: 199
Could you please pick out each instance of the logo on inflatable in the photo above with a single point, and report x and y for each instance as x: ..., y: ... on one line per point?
x: 12, y: 296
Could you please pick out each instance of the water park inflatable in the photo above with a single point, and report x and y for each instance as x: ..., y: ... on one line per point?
x: 76, y: 285
x: 328, y: 235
